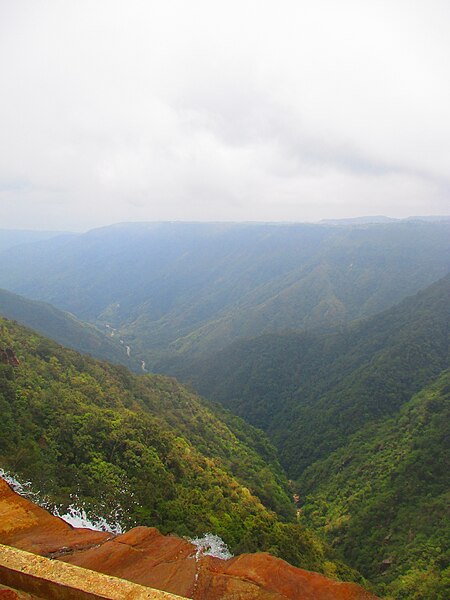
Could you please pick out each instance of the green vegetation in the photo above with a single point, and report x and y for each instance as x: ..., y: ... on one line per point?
x: 383, y: 499
x: 72, y: 424
x: 311, y: 391
x: 64, y: 328
x: 370, y: 458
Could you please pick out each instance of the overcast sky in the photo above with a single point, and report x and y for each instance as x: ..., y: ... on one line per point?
x: 204, y: 110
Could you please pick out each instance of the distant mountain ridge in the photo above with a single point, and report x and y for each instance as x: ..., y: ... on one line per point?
x: 191, y: 288
x: 11, y: 238
x: 360, y: 220
x: 383, y: 219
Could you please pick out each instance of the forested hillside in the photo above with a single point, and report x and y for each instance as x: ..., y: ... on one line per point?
x: 383, y: 498
x: 64, y: 328
x: 310, y: 391
x: 183, y: 289
x: 371, y: 460
x: 143, y: 449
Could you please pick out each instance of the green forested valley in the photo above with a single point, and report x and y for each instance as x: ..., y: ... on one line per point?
x: 311, y: 390
x: 384, y: 498
x: 360, y: 416
x: 147, y: 447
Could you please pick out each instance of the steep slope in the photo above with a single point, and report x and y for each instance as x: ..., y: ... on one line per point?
x: 310, y: 391
x: 63, y: 327
x: 371, y: 460
x: 383, y: 498
x: 143, y: 556
x: 177, y: 288
x: 142, y: 449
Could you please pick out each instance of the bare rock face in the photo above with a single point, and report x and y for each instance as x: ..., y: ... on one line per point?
x: 280, y: 580
x: 8, y: 357
x: 8, y: 594
x: 29, y: 527
x: 145, y: 556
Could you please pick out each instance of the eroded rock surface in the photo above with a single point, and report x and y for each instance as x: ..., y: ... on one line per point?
x: 145, y: 556
x: 26, y: 526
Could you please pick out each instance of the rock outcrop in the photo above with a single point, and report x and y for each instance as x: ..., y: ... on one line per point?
x: 145, y: 556
x: 8, y: 357
x: 29, y: 527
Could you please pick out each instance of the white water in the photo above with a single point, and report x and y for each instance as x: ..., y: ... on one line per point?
x: 74, y: 515
x: 207, y: 545
x: 77, y: 517
x: 211, y: 545
x: 21, y: 488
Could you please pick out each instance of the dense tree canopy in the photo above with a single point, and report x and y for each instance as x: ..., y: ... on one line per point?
x: 371, y: 460
x: 145, y: 450
x: 383, y: 498
x: 311, y: 390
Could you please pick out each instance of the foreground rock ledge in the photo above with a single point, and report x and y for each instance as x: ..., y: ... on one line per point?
x: 38, y: 577
x: 168, y: 563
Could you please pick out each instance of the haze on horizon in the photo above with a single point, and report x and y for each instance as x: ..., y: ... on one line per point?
x: 117, y: 111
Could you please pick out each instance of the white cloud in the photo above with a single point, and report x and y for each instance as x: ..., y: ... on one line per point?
x: 210, y: 110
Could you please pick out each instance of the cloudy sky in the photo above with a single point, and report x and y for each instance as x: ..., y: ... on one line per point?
x: 233, y: 110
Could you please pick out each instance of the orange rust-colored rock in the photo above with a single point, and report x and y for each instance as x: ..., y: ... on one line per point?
x: 145, y: 556
x: 29, y: 527
x: 8, y: 594
x: 34, y: 577
x: 270, y: 573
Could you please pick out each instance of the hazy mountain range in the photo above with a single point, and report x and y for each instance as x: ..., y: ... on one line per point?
x: 175, y: 288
